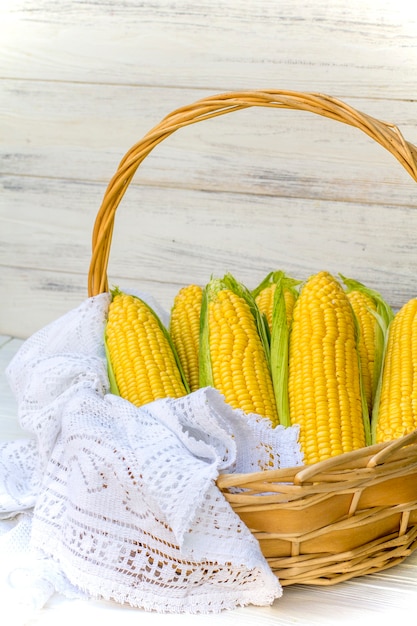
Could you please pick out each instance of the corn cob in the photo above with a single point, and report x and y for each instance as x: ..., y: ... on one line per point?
x: 142, y: 362
x: 395, y: 411
x: 264, y: 295
x: 185, y: 331
x: 325, y: 392
x: 234, y: 354
x: 275, y: 297
x: 373, y: 316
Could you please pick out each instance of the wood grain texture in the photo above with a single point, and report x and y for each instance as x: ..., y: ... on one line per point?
x: 76, y: 132
x: 9, y: 426
x: 166, y: 238
x: 81, y: 82
x: 218, y: 44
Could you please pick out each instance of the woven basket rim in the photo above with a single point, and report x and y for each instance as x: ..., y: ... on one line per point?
x: 366, y: 458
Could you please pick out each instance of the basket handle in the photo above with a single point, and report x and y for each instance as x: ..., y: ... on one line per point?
x: 386, y: 134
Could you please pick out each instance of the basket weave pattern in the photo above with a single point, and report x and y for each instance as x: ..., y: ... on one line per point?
x: 344, y: 517
x: 350, y: 515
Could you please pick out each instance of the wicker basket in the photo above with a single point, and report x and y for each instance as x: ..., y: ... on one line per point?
x: 344, y: 517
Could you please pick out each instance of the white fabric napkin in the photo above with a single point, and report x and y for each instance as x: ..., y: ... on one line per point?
x: 121, y: 502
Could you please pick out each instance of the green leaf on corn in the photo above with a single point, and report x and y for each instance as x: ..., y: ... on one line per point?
x: 374, y: 311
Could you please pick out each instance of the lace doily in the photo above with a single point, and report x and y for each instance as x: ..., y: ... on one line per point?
x: 119, y: 502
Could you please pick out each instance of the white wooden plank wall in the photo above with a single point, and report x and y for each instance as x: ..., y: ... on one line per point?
x: 81, y: 82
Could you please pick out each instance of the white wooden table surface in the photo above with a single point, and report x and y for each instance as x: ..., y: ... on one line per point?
x: 81, y: 82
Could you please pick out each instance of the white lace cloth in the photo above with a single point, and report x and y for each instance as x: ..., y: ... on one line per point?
x: 118, y: 502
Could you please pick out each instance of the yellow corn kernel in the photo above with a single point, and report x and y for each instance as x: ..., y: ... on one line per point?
x: 363, y: 305
x: 289, y: 298
x: 185, y: 331
x: 396, y: 413
x: 265, y: 303
x: 264, y: 295
x: 324, y: 387
x: 232, y: 354
x: 142, y: 363
x: 373, y: 316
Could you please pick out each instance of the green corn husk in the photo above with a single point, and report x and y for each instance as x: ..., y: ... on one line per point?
x: 383, y: 318
x: 279, y: 351
x: 271, y: 280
